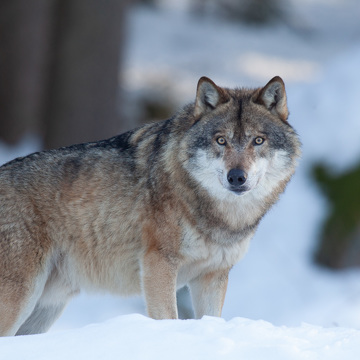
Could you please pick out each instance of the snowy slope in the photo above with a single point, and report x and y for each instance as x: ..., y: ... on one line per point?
x: 137, y: 337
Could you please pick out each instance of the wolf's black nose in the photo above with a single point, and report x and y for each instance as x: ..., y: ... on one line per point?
x: 236, y: 177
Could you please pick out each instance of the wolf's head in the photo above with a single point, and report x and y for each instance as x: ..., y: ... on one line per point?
x: 239, y: 141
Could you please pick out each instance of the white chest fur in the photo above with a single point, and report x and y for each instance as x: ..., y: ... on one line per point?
x: 203, y: 256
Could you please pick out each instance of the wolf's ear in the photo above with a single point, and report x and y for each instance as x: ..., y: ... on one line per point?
x: 273, y: 97
x: 208, y: 96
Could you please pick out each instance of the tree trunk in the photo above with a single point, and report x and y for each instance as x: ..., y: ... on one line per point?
x: 83, y: 92
x: 59, y: 69
x: 24, y: 31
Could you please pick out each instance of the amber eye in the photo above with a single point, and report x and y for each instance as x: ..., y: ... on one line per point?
x: 221, y: 141
x: 259, y: 140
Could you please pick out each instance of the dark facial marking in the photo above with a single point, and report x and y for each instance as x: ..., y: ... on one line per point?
x: 240, y: 109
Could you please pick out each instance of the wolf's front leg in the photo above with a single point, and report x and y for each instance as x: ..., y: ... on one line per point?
x: 159, y: 282
x: 208, y: 292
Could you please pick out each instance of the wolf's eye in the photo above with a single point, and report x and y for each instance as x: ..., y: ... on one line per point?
x: 221, y: 141
x: 259, y: 140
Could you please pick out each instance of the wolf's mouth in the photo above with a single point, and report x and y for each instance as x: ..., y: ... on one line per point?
x: 240, y: 191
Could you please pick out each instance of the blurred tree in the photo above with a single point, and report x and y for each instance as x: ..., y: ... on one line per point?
x: 257, y: 12
x: 24, y: 39
x: 83, y: 90
x: 260, y: 11
x: 59, y: 69
x: 340, y: 236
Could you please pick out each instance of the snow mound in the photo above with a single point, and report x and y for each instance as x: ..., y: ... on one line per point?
x: 138, y: 337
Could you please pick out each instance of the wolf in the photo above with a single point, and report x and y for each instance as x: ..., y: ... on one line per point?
x: 169, y: 204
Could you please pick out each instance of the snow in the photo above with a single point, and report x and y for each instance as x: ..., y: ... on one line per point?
x: 276, y: 289
x: 137, y: 337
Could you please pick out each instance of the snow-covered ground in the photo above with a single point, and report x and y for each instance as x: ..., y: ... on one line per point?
x: 277, y: 281
x: 135, y: 337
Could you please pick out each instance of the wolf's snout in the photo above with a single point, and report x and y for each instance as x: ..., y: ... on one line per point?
x: 236, y: 177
